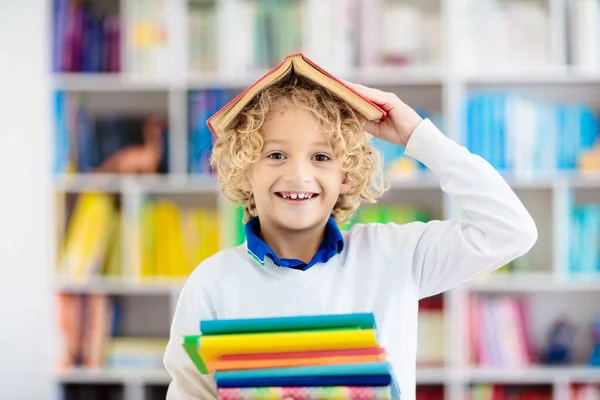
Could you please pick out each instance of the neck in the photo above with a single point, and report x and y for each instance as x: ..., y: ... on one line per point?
x: 300, y: 245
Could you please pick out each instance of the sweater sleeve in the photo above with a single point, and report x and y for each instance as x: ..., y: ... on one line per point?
x: 495, y: 227
x: 187, y: 382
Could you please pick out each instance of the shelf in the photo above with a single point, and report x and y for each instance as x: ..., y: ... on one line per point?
x: 550, y: 75
x: 108, y: 375
x: 110, y: 183
x: 189, y: 183
x: 432, y: 376
x: 120, y: 286
x: 533, y: 375
x: 106, y: 82
x: 116, y: 82
x: 378, y: 76
x: 532, y: 282
x: 119, y: 183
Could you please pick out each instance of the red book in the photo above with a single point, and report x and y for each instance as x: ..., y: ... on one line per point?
x: 299, y: 64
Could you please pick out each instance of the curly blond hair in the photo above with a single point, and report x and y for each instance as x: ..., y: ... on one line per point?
x: 240, y: 146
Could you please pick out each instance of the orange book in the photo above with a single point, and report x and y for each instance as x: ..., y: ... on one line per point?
x: 221, y: 365
x: 298, y: 64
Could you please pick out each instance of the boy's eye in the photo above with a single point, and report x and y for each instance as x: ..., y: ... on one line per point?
x: 276, y: 156
x: 321, y: 157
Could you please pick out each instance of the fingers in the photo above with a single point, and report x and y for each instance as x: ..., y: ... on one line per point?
x: 385, y: 99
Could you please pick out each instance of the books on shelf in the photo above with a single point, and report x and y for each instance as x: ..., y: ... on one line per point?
x: 84, y: 39
x: 105, y: 38
x: 498, y: 328
x: 173, y: 240
x: 586, y: 391
x: 431, y: 347
x: 491, y: 35
x: 147, y: 39
x: 331, y: 354
x: 169, y: 242
x: 136, y: 37
x: 202, y: 104
x: 384, y: 213
x: 115, y: 143
x: 485, y: 391
x: 584, y: 34
x: 92, y: 240
x: 584, y: 240
x: 515, y: 133
x: 90, y: 328
x: 202, y: 41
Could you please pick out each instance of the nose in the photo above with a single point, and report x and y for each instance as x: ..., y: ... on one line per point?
x: 298, y: 171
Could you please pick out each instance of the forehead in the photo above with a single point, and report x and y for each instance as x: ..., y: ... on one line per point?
x: 293, y: 124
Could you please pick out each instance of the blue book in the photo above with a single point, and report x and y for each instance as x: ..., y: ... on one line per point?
x: 61, y: 136
x: 354, y: 369
x: 378, y: 380
x: 224, y: 326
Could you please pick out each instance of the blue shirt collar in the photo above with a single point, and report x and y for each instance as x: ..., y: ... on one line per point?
x: 332, y: 244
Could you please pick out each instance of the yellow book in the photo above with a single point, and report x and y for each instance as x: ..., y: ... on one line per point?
x: 147, y: 243
x: 192, y: 236
x: 87, y: 236
x: 176, y: 250
x: 209, y: 224
x: 211, y: 347
x: 95, y: 246
x: 162, y: 241
x: 114, y: 264
x: 75, y: 233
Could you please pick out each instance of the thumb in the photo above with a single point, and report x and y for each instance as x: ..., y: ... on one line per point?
x: 368, y: 126
x: 371, y: 127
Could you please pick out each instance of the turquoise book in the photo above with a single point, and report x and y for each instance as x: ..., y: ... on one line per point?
x: 275, y: 324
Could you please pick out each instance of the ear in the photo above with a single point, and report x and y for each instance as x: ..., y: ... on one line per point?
x: 246, y: 183
x: 345, y: 184
x: 246, y: 186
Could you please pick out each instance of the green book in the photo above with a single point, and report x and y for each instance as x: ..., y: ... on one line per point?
x: 190, y: 344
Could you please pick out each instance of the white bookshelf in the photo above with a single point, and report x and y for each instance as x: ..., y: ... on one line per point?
x: 441, y: 87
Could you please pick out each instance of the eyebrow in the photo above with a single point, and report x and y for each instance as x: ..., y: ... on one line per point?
x: 283, y: 141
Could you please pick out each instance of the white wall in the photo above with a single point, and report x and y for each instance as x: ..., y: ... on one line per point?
x: 25, y: 164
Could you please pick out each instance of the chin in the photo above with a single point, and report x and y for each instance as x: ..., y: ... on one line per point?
x: 300, y: 223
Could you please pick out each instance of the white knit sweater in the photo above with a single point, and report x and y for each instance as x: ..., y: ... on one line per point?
x: 383, y: 268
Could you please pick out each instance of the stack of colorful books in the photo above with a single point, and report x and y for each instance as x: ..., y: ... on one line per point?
x: 301, y: 358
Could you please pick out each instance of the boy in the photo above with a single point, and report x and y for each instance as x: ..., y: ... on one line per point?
x: 300, y: 162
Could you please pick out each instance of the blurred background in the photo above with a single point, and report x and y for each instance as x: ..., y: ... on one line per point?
x: 108, y: 201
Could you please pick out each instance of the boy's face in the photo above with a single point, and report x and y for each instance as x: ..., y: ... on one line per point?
x: 296, y: 182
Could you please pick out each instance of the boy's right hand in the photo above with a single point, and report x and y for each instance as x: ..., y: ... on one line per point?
x: 401, y: 119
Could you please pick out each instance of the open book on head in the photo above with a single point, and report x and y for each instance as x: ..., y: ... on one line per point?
x: 299, y: 64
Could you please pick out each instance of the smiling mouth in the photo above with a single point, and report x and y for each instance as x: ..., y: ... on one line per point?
x: 296, y: 196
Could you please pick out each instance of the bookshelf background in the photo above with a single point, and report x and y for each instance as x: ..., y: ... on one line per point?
x: 458, y: 62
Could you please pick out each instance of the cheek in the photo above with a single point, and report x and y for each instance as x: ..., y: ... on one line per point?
x: 334, y: 183
x: 258, y: 180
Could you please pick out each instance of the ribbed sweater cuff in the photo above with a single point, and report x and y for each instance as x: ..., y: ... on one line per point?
x: 429, y: 145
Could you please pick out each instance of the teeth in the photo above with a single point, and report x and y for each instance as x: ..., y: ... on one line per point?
x: 295, y: 196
